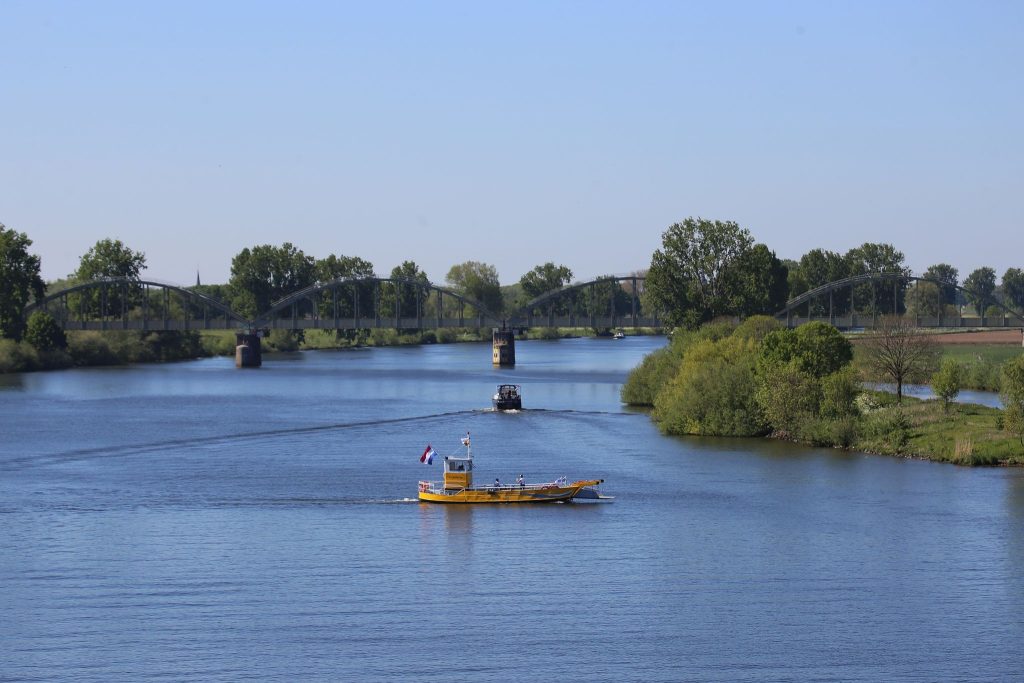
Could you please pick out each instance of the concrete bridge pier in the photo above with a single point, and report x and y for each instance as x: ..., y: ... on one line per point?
x: 248, y: 350
x: 503, y: 347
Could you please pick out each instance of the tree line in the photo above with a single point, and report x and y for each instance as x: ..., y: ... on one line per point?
x: 704, y: 269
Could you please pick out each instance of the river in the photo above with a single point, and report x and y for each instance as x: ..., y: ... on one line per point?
x: 194, y: 522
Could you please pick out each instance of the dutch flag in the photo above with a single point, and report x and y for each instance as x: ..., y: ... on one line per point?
x: 428, y: 455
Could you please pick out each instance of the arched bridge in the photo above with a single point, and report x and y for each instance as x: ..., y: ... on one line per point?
x: 604, y: 303
x: 355, y: 303
x: 347, y: 303
x: 861, y: 300
x: 118, y: 303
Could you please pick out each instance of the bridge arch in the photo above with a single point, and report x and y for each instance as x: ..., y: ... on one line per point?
x: 898, y: 280
x: 364, y: 308
x: 622, y: 311
x: 128, y: 303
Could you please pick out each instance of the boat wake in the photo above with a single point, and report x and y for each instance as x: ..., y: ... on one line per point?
x: 238, y: 437
x: 126, y: 450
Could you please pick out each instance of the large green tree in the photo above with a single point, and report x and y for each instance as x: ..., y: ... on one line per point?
x: 708, y: 268
x: 408, y: 296
x: 935, y: 296
x: 815, y: 268
x: 603, y: 297
x: 110, y: 258
x: 334, y: 267
x: 757, y: 283
x: 874, y: 257
x: 980, y: 286
x: 949, y: 277
x: 1013, y: 288
x: 265, y: 274
x: 478, y: 281
x: 19, y: 281
x: 544, y: 278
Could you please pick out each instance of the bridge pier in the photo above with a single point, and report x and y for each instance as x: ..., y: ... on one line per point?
x: 248, y: 351
x: 503, y: 347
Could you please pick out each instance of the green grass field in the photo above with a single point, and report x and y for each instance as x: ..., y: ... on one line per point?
x: 981, y: 361
x: 967, y: 435
x: 975, y: 353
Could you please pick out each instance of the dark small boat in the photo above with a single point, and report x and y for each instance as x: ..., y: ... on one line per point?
x: 507, y: 398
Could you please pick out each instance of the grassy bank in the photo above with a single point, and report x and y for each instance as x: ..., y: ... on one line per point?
x: 87, y: 348
x: 967, y: 434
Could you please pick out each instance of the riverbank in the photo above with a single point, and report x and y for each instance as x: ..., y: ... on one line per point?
x: 802, y: 386
x: 120, y: 347
x: 965, y: 434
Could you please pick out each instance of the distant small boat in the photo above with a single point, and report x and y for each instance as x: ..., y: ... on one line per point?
x: 458, y: 487
x: 508, y: 398
x: 619, y: 334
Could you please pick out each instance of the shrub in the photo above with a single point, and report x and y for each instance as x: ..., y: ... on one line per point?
x: 844, y: 432
x: 839, y: 394
x: 17, y: 356
x: 544, y: 333
x: 887, y: 429
x: 946, y: 382
x: 712, y: 392
x: 446, y: 335
x: 787, y: 396
x: 983, y: 375
x: 816, y: 348
x: 1012, y: 393
x: 43, y: 332
x: 647, y: 379
x: 757, y: 327
x: 91, y: 348
x: 281, y: 340
x: 841, y: 433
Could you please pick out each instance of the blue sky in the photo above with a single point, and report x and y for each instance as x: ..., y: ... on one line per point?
x: 511, y: 133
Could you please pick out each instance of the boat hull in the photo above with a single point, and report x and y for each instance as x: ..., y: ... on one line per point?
x: 549, y: 493
x: 507, y: 404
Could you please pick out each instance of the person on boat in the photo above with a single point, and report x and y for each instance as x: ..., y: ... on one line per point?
x: 521, y: 481
x: 497, y: 483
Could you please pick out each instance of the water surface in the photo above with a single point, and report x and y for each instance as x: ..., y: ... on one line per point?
x: 191, y: 521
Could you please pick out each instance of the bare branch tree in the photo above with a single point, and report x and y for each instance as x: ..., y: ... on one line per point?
x: 899, y: 352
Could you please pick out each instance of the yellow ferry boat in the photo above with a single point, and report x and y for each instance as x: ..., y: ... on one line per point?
x: 458, y: 487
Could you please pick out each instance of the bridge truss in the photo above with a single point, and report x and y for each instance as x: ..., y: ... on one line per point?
x: 347, y: 303
x: 119, y: 303
x: 860, y: 301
